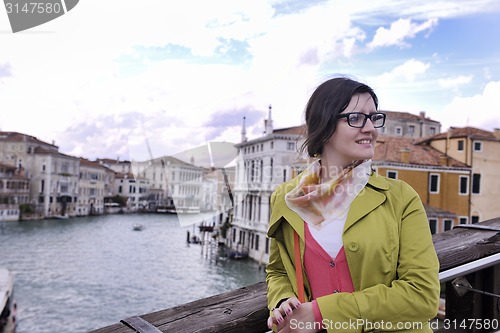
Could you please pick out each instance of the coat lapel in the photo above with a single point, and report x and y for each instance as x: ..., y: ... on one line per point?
x: 367, y: 200
x: 280, y: 210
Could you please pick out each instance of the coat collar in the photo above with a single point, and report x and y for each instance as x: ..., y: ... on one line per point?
x: 367, y: 200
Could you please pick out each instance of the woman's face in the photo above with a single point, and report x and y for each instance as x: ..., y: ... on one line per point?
x: 349, y: 143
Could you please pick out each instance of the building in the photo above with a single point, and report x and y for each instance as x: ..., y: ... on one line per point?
x: 265, y: 163
x: 14, y: 193
x: 408, y: 125
x: 93, y: 188
x: 441, y: 181
x: 480, y: 150
x: 54, y: 182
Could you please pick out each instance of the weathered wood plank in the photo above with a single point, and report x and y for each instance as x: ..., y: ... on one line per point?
x: 463, y: 245
x: 244, y: 310
x: 237, y: 311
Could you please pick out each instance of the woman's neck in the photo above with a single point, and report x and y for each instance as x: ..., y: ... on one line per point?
x: 330, y: 169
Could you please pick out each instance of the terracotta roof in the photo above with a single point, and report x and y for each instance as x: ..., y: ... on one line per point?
x: 399, y: 115
x: 40, y: 150
x: 20, y: 137
x: 93, y: 164
x: 461, y: 132
x: 390, y: 149
x: 298, y: 130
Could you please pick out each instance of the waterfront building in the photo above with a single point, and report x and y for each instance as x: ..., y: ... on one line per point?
x: 134, y: 188
x: 265, y: 163
x: 93, y: 187
x: 480, y: 150
x: 177, y: 184
x: 53, y: 176
x: 14, y: 193
x: 54, y: 182
x: 409, y: 125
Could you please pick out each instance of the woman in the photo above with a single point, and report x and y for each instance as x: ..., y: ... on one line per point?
x: 355, y: 246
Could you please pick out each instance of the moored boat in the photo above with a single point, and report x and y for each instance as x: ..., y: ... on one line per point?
x: 7, y: 303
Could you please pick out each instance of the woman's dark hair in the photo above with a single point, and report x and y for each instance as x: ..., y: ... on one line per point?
x: 328, y: 100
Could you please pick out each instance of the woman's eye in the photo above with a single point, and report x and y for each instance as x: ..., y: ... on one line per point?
x: 355, y: 118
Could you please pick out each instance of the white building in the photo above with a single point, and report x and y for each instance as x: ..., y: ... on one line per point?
x: 93, y: 181
x: 177, y: 184
x: 54, y: 182
x: 266, y: 162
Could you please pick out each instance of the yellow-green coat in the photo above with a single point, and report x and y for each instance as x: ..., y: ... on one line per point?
x: 391, y: 257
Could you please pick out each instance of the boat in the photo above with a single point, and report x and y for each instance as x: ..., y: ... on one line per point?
x: 8, y: 305
x: 137, y: 227
x: 237, y: 255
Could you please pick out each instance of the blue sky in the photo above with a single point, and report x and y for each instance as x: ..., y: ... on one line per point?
x: 110, y: 75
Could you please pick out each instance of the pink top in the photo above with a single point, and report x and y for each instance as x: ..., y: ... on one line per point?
x: 326, y: 275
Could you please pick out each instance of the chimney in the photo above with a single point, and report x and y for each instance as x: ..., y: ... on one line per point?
x: 268, y: 123
x: 443, y: 160
x: 244, y: 131
x: 422, y: 114
x: 405, y: 155
x: 496, y: 133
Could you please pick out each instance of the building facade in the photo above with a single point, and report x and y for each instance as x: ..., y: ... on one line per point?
x: 14, y: 193
x: 408, y: 125
x: 480, y: 150
x: 441, y: 182
x: 265, y: 163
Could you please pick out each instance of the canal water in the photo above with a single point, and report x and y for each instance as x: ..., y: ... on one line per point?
x: 81, y: 274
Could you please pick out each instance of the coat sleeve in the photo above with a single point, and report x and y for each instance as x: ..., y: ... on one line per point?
x: 279, y: 286
x: 412, y: 297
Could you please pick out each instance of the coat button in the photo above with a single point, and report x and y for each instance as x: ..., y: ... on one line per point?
x: 332, y: 263
x: 336, y: 291
x: 353, y: 246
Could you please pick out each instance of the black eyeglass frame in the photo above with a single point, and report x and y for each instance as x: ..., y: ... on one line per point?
x: 367, y: 116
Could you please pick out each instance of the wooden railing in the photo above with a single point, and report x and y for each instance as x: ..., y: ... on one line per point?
x: 469, y: 257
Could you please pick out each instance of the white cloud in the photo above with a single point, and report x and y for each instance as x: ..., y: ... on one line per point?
x: 455, y: 82
x: 92, y: 66
x: 480, y: 110
x: 406, y: 72
x: 399, y: 31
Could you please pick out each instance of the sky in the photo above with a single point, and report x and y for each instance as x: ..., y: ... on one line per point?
x: 142, y: 79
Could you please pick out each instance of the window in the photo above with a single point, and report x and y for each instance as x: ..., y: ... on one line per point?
x: 474, y: 219
x: 290, y: 145
x: 448, y: 224
x: 434, y: 183
x: 411, y: 130
x: 432, y: 225
x: 392, y: 174
x: 432, y: 130
x: 476, y: 183
x: 267, y: 246
x: 256, y: 242
x: 460, y: 145
x: 463, y: 219
x: 478, y: 146
x: 398, y: 131
x: 464, y: 185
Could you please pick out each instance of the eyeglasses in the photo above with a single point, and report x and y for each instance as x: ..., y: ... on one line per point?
x: 358, y: 119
